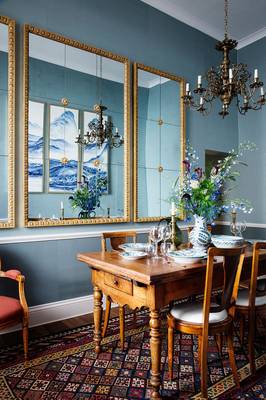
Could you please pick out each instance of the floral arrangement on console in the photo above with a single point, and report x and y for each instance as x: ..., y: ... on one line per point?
x: 87, y: 196
x: 202, y: 195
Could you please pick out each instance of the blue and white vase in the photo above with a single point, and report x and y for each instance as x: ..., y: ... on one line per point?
x: 200, y: 237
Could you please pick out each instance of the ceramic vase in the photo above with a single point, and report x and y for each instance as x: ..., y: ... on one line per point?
x: 200, y: 237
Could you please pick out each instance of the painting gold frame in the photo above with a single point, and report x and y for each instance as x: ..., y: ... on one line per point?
x: 82, y: 46
x: 10, y: 223
x: 138, y: 66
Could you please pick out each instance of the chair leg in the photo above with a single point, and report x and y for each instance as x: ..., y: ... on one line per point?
x: 25, y: 333
x: 199, y: 349
x: 232, y: 356
x: 251, y: 337
x: 135, y: 315
x: 203, y: 366
x: 122, y: 326
x: 170, y: 351
x: 219, y: 341
x: 242, y: 328
x: 106, y: 315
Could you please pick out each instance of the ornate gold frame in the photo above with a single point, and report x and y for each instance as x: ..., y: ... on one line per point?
x: 70, y: 42
x: 11, y: 120
x: 138, y: 66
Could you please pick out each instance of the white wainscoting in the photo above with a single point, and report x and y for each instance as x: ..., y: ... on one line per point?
x: 58, y: 311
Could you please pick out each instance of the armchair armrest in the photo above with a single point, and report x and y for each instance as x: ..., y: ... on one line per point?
x: 11, y: 274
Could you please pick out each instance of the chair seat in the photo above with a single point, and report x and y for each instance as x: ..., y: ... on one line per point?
x: 193, y: 313
x: 243, y: 300
x: 10, y: 309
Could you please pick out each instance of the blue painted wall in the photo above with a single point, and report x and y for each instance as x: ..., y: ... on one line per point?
x: 252, y: 127
x: 3, y: 136
x: 142, y: 33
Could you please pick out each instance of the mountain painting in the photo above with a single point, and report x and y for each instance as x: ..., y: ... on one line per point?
x: 63, y: 150
x: 95, y: 159
x: 35, y: 154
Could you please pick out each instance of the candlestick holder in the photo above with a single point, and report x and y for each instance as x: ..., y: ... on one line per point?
x: 173, y: 228
x: 62, y: 213
x: 233, y: 226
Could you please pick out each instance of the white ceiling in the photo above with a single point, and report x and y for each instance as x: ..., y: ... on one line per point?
x: 247, y: 18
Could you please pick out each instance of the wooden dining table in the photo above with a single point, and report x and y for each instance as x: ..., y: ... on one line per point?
x: 151, y: 283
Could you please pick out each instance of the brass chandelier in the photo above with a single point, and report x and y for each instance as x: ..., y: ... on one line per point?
x: 100, y: 131
x: 226, y: 82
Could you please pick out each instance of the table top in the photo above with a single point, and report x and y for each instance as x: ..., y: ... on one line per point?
x: 146, y: 270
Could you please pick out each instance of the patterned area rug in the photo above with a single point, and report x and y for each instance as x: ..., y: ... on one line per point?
x: 64, y: 366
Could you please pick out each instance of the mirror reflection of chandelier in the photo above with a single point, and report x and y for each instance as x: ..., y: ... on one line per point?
x: 226, y: 82
x: 100, y: 131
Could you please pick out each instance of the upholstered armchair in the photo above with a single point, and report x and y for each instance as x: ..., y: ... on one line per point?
x: 12, y: 310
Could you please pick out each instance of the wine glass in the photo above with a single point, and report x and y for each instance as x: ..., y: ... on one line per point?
x: 156, y: 235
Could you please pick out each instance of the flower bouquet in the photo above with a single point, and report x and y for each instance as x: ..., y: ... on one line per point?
x: 203, y: 195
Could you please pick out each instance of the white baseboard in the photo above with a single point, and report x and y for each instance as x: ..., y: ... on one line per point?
x: 58, y: 311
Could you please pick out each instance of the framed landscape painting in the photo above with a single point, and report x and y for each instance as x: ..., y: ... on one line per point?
x: 36, y: 147
x: 63, y: 151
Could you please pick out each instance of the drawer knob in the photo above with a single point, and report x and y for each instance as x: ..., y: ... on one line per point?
x: 115, y: 282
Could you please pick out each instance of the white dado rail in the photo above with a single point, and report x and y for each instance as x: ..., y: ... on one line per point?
x: 93, y: 234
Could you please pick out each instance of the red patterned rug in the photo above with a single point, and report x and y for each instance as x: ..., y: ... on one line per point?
x: 64, y: 366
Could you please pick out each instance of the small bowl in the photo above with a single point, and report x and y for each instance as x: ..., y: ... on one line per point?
x: 133, y: 255
x: 227, y: 242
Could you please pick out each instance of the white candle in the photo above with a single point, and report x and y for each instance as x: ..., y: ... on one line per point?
x: 201, y: 101
x: 187, y: 87
x: 61, y: 205
x: 199, y: 79
x: 230, y: 75
x: 256, y: 73
x: 116, y: 130
x: 172, y: 208
x: 262, y: 91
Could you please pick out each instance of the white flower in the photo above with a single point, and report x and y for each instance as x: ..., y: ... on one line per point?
x: 194, y: 184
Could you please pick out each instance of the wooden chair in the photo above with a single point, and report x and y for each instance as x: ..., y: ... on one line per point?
x: 14, y: 311
x: 209, y: 318
x: 116, y: 239
x: 251, y: 301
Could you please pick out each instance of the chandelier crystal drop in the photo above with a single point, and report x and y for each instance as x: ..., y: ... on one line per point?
x: 226, y: 82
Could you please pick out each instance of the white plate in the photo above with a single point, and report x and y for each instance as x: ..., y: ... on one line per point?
x: 133, y: 255
x: 226, y: 241
x: 187, y: 256
x: 129, y: 247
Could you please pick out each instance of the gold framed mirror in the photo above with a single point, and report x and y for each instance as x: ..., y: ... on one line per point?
x: 7, y: 122
x: 159, y: 140
x: 77, y: 133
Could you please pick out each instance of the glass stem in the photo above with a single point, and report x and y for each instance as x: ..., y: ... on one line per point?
x: 156, y: 249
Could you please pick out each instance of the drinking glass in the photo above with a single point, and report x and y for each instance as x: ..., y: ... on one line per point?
x: 238, y: 228
x: 156, y: 235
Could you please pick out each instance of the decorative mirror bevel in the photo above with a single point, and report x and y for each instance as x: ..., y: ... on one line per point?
x: 10, y: 223
x: 181, y: 81
x: 29, y: 29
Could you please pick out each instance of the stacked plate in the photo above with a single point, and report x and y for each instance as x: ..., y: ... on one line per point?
x: 187, y: 256
x: 227, y: 242
x: 135, y: 247
x: 133, y: 255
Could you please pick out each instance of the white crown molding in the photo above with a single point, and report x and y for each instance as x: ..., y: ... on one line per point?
x: 168, y: 7
x: 172, y: 9
x: 245, y: 41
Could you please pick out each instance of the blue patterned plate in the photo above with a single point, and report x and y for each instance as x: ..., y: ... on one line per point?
x: 187, y: 256
x: 129, y: 247
x: 226, y: 241
x: 133, y: 255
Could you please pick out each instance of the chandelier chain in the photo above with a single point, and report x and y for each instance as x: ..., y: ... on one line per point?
x: 226, y: 18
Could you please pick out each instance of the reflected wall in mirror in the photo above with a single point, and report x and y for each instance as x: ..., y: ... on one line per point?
x: 159, y: 140
x: 7, y: 122
x: 76, y: 132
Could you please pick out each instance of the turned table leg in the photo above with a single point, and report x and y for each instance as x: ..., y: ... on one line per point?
x: 155, y: 343
x: 97, y: 318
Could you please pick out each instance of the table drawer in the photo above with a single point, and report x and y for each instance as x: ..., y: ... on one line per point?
x: 119, y: 283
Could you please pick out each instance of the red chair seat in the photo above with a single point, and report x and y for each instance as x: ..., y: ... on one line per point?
x: 10, y: 310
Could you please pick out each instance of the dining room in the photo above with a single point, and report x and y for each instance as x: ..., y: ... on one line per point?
x: 132, y: 199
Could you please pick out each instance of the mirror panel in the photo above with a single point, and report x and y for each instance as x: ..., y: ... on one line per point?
x: 69, y: 180
x: 159, y: 140
x: 7, y: 122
